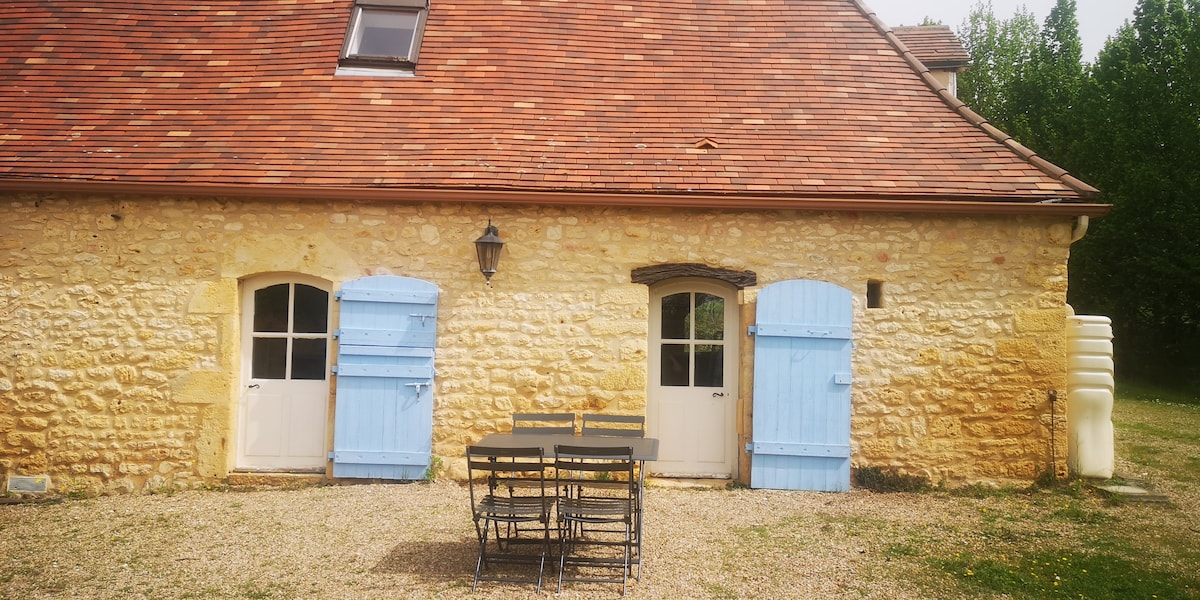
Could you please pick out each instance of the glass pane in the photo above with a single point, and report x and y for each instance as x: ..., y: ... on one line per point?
x: 675, y: 364
x: 675, y: 309
x: 269, y: 358
x: 312, y: 310
x: 308, y: 358
x: 385, y: 33
x: 271, y: 308
x: 710, y: 317
x: 710, y: 365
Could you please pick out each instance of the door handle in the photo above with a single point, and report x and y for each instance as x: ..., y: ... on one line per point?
x: 718, y: 394
x: 253, y: 386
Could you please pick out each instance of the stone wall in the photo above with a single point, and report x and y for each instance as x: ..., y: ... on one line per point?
x: 119, y: 321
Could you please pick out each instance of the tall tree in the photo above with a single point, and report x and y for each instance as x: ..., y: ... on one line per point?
x: 1140, y: 265
x: 1001, y: 50
x: 1046, y: 95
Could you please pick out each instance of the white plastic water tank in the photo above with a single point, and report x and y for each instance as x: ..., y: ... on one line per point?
x: 1090, y: 387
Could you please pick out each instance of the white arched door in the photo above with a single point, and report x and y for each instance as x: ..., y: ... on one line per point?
x: 693, y: 377
x: 284, y: 400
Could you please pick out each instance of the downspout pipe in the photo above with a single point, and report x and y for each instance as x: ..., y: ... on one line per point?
x: 1080, y: 228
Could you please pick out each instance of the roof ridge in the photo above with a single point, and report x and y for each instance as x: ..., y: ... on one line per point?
x: 1085, y: 191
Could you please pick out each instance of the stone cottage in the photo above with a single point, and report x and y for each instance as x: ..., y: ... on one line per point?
x: 238, y: 238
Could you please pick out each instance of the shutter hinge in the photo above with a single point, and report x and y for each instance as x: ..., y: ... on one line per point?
x: 751, y: 330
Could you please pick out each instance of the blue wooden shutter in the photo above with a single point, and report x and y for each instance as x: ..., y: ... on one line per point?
x: 383, y: 417
x: 801, y: 423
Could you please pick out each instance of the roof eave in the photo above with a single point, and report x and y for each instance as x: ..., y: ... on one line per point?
x: 1083, y: 189
x: 882, y: 202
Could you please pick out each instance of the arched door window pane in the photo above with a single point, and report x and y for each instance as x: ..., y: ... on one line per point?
x: 291, y: 326
x: 698, y: 320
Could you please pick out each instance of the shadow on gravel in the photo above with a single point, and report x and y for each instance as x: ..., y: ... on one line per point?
x: 432, y: 560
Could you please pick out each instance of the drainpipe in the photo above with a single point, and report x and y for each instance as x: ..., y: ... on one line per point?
x: 1080, y: 228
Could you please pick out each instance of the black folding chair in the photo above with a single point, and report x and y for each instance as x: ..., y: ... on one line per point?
x: 623, y: 426
x: 597, y: 507
x: 544, y: 423
x: 488, y: 468
x: 614, y: 425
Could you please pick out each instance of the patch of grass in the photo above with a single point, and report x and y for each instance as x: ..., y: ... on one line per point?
x: 980, y: 491
x: 1189, y: 437
x: 1156, y: 392
x: 203, y: 593
x: 1066, y: 573
x: 435, y: 468
x: 256, y: 590
x: 1144, y: 455
x: 1075, y: 512
x: 716, y: 590
x: 901, y: 549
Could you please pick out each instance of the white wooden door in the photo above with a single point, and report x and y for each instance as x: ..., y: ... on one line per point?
x: 693, y: 378
x: 283, y: 409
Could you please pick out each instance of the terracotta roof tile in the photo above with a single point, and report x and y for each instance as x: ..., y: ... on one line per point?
x: 934, y: 45
x: 806, y: 97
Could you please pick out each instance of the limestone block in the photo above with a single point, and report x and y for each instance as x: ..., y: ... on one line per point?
x: 34, y: 423
x: 1043, y: 320
x: 202, y: 387
x: 26, y: 439
x: 945, y: 427
x: 878, y: 448
x: 624, y: 377
x: 214, y: 297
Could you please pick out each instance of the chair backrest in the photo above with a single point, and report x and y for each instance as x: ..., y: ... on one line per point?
x: 493, y: 466
x: 544, y: 423
x: 615, y: 425
x: 607, y: 467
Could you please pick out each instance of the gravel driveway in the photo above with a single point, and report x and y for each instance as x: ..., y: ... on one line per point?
x: 417, y: 541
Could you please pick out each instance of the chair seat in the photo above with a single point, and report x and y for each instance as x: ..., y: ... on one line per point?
x: 520, y: 508
x: 595, y: 510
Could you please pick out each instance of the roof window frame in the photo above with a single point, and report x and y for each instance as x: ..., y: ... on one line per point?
x: 352, y: 62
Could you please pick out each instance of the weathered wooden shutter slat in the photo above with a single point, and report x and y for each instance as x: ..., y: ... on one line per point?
x: 801, y: 330
x: 782, y: 449
x: 419, y: 297
x: 801, y: 423
x: 393, y: 371
x: 379, y: 458
x: 386, y: 351
x: 383, y: 418
x: 394, y: 338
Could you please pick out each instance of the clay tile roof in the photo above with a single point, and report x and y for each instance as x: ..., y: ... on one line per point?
x: 812, y: 98
x: 935, y: 46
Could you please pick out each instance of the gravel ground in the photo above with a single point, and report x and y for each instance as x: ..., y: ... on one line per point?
x: 417, y: 541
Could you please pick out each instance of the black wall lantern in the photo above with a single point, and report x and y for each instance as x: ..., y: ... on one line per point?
x: 488, y: 248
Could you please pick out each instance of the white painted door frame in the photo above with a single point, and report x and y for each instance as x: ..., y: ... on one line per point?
x: 691, y: 409
x: 283, y: 404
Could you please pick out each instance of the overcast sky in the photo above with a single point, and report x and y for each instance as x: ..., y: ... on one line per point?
x: 1098, y: 19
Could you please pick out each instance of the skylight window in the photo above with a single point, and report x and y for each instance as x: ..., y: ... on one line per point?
x: 384, y: 35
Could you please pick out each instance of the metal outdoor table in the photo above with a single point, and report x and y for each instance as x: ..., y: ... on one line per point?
x: 644, y: 449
